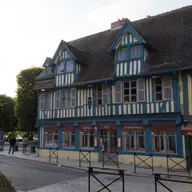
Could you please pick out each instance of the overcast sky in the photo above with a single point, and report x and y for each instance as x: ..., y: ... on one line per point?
x: 31, y: 30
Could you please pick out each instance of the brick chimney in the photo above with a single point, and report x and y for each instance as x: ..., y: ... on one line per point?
x: 118, y: 24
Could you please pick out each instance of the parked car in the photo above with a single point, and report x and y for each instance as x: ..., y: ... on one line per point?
x: 19, y: 138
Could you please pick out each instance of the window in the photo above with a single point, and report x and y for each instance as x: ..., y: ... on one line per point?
x: 47, y: 70
x: 163, y: 88
x: 65, y: 54
x: 68, y: 139
x: 69, y: 66
x: 60, y: 67
x: 73, y: 97
x: 58, y: 99
x: 134, y: 140
x: 48, y: 102
x: 50, y: 139
x: 42, y: 101
x: 87, y: 139
x: 102, y: 95
x: 130, y: 91
x: 135, y: 51
x: 164, y: 141
x: 123, y: 54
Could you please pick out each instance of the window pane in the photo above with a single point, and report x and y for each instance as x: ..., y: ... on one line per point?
x: 126, y: 98
x: 126, y: 85
x: 133, y: 98
x: 141, y: 95
x: 158, y: 81
x: 133, y: 91
x: 158, y: 97
x: 158, y: 89
x: 133, y: 83
x: 118, y: 97
x: 126, y: 91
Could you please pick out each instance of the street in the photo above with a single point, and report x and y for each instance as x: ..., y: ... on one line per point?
x: 40, y: 177
x: 26, y: 175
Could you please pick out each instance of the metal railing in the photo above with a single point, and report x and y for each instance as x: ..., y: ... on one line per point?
x: 53, y: 152
x: 86, y: 156
x: 158, y: 180
x: 178, y: 163
x: 114, y: 159
x: 93, y: 171
x: 143, y: 162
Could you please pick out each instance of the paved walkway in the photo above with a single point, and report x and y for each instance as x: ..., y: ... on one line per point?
x: 129, y: 169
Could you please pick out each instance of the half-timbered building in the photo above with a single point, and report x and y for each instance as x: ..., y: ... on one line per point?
x: 121, y: 88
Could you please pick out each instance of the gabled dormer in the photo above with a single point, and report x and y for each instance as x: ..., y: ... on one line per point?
x: 129, y: 50
x: 67, y: 63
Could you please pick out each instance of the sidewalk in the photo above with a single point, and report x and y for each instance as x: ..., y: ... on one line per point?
x: 129, y: 169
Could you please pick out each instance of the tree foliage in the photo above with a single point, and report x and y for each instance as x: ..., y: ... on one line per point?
x: 7, y: 116
x: 26, y: 102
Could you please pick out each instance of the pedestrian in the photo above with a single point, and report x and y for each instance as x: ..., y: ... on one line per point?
x: 12, y: 143
x: 25, y: 142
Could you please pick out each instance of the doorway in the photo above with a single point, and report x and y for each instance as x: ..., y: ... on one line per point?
x: 109, y: 140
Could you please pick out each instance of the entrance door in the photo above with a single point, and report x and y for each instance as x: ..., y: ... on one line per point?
x: 109, y: 139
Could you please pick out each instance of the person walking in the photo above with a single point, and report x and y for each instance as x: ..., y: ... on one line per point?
x: 12, y: 143
x: 25, y: 142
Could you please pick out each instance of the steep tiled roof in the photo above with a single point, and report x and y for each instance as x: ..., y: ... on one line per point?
x: 169, y: 34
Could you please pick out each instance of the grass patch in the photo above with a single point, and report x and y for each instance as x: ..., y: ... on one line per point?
x: 5, y: 184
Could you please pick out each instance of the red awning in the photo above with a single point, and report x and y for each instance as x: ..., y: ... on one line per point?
x: 187, y: 131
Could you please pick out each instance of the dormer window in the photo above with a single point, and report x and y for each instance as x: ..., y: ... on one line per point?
x: 69, y: 66
x: 135, y: 51
x: 126, y: 53
x: 60, y: 67
x: 47, y: 70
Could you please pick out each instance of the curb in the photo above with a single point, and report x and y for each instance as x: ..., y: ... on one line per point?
x: 76, y: 168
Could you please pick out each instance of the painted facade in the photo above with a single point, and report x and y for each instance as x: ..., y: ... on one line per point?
x: 129, y: 99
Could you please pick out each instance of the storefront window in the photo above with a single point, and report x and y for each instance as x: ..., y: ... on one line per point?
x: 87, y: 139
x: 134, y: 140
x: 68, y: 139
x: 50, y: 139
x: 164, y: 141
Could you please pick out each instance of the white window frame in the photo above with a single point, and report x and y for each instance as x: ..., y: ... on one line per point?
x: 105, y: 91
x: 136, y: 133
x: 164, y: 135
x: 118, y: 92
x: 58, y: 99
x: 42, y: 101
x: 68, y: 136
x: 163, y: 87
x: 130, y: 91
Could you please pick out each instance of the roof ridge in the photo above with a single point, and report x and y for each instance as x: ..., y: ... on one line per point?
x: 88, y: 36
x: 162, y: 14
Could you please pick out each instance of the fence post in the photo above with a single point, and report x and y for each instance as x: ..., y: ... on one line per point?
x: 89, y: 157
x: 89, y: 180
x: 57, y: 155
x: 152, y: 161
x: 167, y: 163
x: 134, y: 162
x: 155, y: 183
x: 79, y: 158
x: 49, y: 153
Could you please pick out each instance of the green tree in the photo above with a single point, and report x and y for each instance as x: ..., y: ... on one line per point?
x: 26, y: 101
x: 7, y: 116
